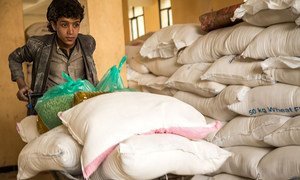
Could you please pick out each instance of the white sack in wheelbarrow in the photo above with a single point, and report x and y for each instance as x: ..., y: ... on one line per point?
x: 101, y: 122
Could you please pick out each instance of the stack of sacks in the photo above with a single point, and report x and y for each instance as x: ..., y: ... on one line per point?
x: 156, y: 57
x: 138, y: 135
x: 247, y: 76
x: 55, y: 150
x: 122, y: 135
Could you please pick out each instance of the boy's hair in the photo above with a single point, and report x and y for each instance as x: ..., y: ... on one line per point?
x: 64, y: 8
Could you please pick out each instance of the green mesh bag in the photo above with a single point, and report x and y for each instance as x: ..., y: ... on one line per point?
x: 60, y: 98
x: 112, y: 81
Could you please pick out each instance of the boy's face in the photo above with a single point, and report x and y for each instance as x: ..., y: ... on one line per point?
x: 67, y: 30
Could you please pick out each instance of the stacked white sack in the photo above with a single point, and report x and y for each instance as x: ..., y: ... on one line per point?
x: 263, y: 62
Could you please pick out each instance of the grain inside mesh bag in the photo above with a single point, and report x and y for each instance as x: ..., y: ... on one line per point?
x: 280, y: 99
x: 284, y: 69
x: 215, y: 107
x: 59, y: 98
x: 237, y: 70
x: 276, y: 40
x: 187, y: 78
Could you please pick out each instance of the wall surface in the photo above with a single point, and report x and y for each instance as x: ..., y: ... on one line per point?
x: 151, y: 14
x: 106, y: 26
x: 12, y: 110
x: 188, y: 11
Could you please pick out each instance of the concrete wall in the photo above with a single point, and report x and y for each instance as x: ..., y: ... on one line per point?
x: 11, y: 36
x: 106, y: 25
x: 151, y: 14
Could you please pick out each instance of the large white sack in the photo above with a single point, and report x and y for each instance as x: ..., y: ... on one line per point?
x: 220, y: 42
x: 222, y: 176
x: 286, y: 135
x: 244, y: 161
x: 149, y: 80
x: 211, y: 135
x: 283, y: 69
x: 166, y: 42
x: 151, y: 156
x: 101, y: 122
x: 187, y: 78
x: 248, y: 131
x: 254, y: 6
x: 280, y: 99
x: 27, y: 128
x: 165, y: 91
x: 215, y: 107
x: 53, y: 150
x: 275, y: 40
x: 269, y: 17
x: 237, y: 71
x: 155, y: 82
x: 161, y: 67
x: 205, y: 49
x: 281, y: 163
x: 134, y: 59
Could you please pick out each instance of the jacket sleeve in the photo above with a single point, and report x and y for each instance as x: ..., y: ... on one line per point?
x: 18, y: 56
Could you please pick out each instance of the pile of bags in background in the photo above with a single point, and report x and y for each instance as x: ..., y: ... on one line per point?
x: 243, y: 73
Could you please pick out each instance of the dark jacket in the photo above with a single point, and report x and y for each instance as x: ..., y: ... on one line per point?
x: 38, y: 51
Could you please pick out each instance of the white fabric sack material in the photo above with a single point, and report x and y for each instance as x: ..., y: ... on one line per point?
x: 205, y: 48
x: 134, y: 59
x: 236, y: 70
x: 220, y: 42
x: 281, y: 163
x: 286, y: 135
x: 187, y: 78
x: 161, y: 67
x: 244, y: 161
x: 270, y: 17
x: 155, y: 82
x: 101, y: 122
x: 165, y: 91
x: 148, y: 80
x: 283, y: 69
x: 152, y: 156
x: 27, y: 128
x: 53, y: 150
x: 254, y: 6
x: 280, y: 99
x: 211, y: 135
x: 222, y: 176
x: 248, y: 131
x: 166, y: 42
x: 215, y: 107
x: 276, y: 40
